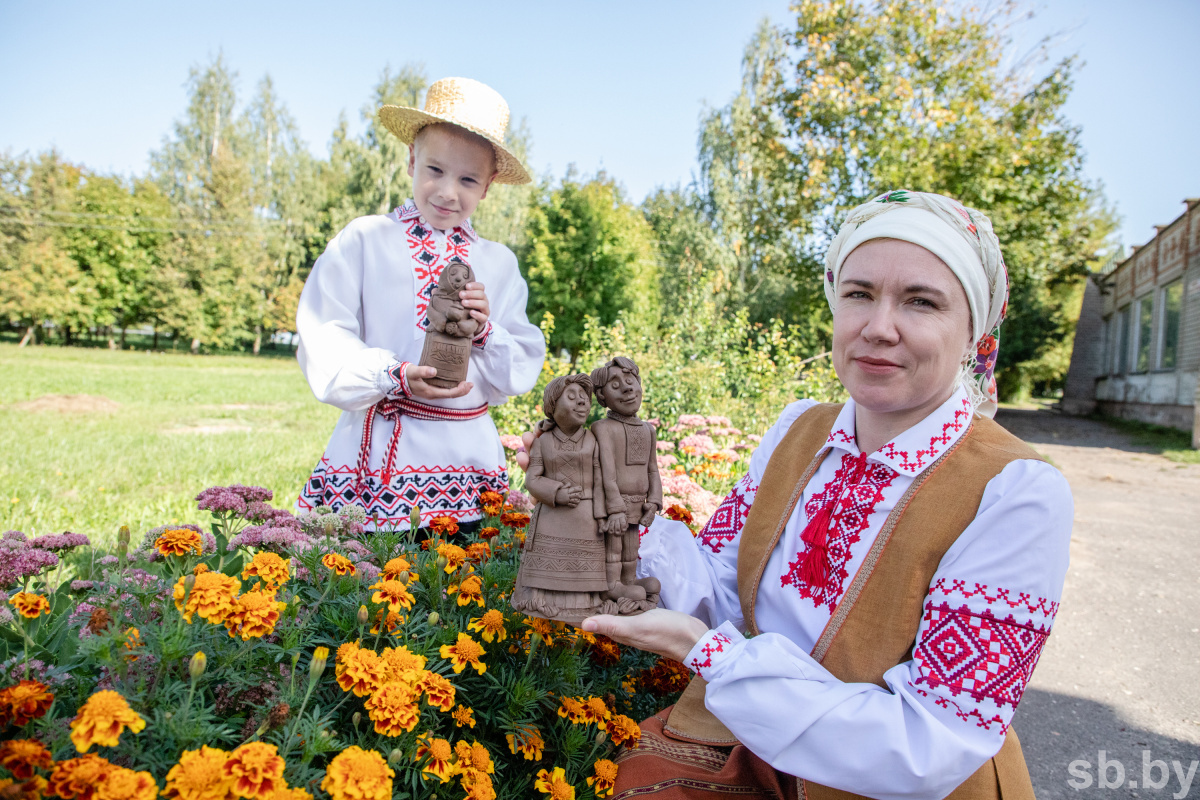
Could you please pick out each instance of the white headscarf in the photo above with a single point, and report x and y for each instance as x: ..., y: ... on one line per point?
x: 962, y: 238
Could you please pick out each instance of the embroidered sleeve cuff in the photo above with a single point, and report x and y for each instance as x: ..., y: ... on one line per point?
x: 397, y: 380
x: 713, y: 648
x: 481, y: 339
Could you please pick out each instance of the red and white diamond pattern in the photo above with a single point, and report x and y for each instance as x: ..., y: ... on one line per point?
x: 727, y: 521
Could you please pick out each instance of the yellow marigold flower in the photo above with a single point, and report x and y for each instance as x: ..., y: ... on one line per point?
x: 387, y: 619
x: 393, y: 594
x: 473, y: 757
x: 200, y: 775
x: 401, y: 660
x: 254, y: 614
x: 200, y: 569
x: 478, y: 786
x: 491, y: 502
x: 596, y: 711
x: 363, y: 672
x: 490, y: 625
x: 79, y: 777
x: 471, y: 589
x: 437, y: 755
x: 344, y: 652
x: 393, y: 708
x: 256, y: 770
x: 622, y: 729
x: 26, y: 701
x: 212, y: 596
x: 572, y: 709
x: 125, y: 784
x: 339, y: 564
x: 527, y: 742
x: 291, y: 794
x: 357, y: 774
x: 439, y: 692
x: 554, y: 784
x: 547, y: 629
x: 102, y: 719
x: 398, y: 566
x: 30, y: 605
x: 454, y: 555
x: 464, y: 716
x: 179, y: 542
x: 604, y: 777
x: 463, y: 652
x: 580, y: 633
x: 273, y: 570
x: 21, y: 756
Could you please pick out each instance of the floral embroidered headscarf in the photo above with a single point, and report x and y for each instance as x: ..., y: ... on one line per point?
x: 962, y: 238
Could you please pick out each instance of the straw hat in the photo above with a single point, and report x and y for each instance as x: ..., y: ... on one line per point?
x: 468, y: 104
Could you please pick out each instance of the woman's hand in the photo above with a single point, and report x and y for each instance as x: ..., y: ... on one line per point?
x: 526, y: 443
x: 667, y: 633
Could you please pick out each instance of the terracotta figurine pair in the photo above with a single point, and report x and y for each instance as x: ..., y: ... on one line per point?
x: 594, y: 489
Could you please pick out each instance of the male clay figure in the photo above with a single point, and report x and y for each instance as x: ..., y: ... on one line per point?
x: 632, y: 487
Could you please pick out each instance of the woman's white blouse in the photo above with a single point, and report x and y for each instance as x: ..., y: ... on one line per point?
x: 988, y: 612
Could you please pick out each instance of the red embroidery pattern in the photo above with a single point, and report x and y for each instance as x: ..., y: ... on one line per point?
x: 977, y: 654
x: 858, y: 487
x: 980, y: 720
x: 1022, y: 601
x: 916, y: 462
x: 716, y: 644
x: 840, y: 437
x: 726, y: 523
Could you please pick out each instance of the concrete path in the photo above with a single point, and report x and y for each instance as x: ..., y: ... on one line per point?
x: 1121, y: 670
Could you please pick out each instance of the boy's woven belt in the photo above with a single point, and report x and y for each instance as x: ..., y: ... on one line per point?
x: 393, y: 409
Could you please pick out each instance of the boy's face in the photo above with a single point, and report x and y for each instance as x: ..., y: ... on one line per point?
x: 623, y: 392
x: 451, y: 172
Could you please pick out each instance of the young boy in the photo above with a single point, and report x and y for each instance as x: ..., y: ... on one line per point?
x: 363, y: 314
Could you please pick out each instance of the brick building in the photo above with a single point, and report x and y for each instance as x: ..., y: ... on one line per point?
x: 1137, y: 344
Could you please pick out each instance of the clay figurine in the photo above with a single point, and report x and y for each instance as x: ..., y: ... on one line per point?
x: 451, y: 327
x: 632, y: 487
x: 562, y: 573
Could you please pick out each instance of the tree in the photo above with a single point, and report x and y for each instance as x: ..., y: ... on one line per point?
x: 588, y: 253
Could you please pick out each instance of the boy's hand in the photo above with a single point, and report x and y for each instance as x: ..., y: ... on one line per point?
x: 475, y: 300
x: 418, y: 386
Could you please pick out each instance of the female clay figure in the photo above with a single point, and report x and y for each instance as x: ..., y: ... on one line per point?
x: 446, y: 311
x: 562, y: 569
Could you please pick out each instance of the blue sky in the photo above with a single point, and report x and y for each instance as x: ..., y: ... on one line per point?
x: 616, y: 85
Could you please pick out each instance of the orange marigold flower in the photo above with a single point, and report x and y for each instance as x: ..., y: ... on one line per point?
x: 31, y: 789
x: 463, y: 652
x: 22, y: 756
x: 478, y: 786
x: 572, y: 710
x: 622, y: 729
x: 102, y: 720
x: 179, y: 542
x: 595, y: 710
x: 545, y: 628
x: 387, y: 619
x: 463, y: 716
x: 339, y: 564
x: 125, y: 784
x: 394, y: 568
x: 363, y: 672
x: 439, y: 692
x: 489, y: 533
x: 473, y: 757
x: 256, y: 770
x: 443, y: 526
x: 26, y: 701
x: 580, y: 633
x: 393, y: 708
x: 357, y: 774
x: 212, y: 596
x: 678, y: 512
x: 479, y: 552
x: 491, y: 502
x: 527, y: 742
x: 200, y: 569
x: 79, y: 777
x: 514, y: 519
x: 273, y: 570
x: 200, y: 775
x: 490, y: 625
x: 437, y: 755
x: 470, y: 589
x: 254, y: 615
x: 604, y: 777
x: 30, y: 605
x: 291, y: 794
x: 453, y: 554
x: 393, y: 594
x: 401, y: 661
x: 133, y: 640
x: 344, y: 651
x: 554, y: 784
x: 605, y: 652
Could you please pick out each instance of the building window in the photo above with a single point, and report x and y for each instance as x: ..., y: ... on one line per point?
x: 1172, y: 305
x: 1121, y: 361
x: 1144, y: 319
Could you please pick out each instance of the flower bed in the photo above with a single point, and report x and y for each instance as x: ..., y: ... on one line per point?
x: 281, y: 657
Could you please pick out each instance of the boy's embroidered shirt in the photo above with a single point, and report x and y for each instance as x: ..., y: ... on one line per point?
x: 360, y: 320
x: 986, y: 618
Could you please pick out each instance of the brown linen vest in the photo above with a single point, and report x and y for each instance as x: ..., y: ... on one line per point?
x: 874, y: 626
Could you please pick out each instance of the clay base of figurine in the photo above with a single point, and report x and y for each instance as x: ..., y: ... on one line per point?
x: 574, y: 607
x: 450, y: 355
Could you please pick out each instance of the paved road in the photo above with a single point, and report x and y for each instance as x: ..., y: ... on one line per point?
x: 1121, y: 671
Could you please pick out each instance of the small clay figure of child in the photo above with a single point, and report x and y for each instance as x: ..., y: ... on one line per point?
x: 562, y: 572
x: 632, y: 487
x: 446, y: 311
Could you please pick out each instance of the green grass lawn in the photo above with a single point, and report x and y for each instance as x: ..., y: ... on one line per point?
x: 153, y: 431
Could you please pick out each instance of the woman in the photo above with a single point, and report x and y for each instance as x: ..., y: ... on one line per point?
x: 900, y: 557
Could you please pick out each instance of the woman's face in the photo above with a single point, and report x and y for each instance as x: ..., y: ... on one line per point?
x: 571, y: 410
x: 901, y: 329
